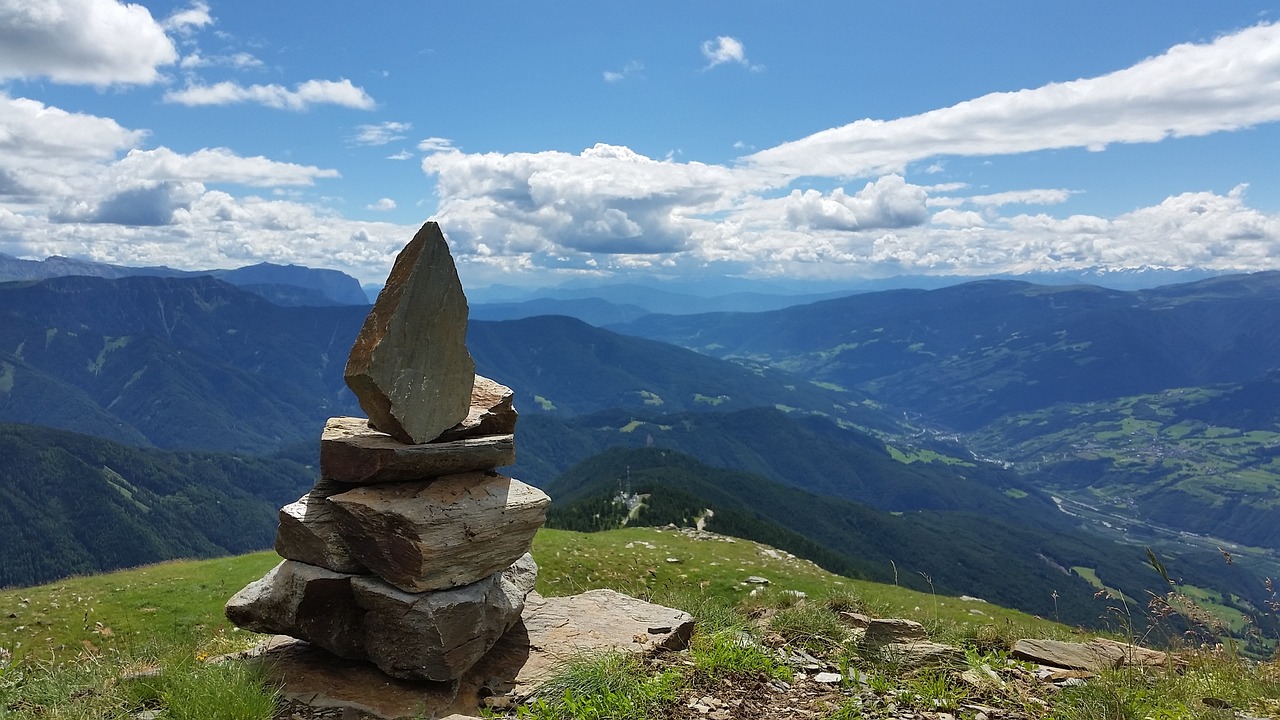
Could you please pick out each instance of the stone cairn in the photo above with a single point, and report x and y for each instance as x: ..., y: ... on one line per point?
x: 411, y: 552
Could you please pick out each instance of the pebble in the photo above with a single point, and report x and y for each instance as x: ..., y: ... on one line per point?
x: 828, y: 677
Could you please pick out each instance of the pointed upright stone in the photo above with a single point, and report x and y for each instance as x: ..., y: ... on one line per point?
x: 410, y: 368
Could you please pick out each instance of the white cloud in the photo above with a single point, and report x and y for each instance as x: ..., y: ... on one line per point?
x: 92, y: 42
x: 382, y: 205
x: 31, y: 129
x: 724, y: 49
x: 402, y: 155
x: 435, y: 144
x: 218, y: 165
x: 887, y: 203
x: 1190, y: 90
x: 630, y: 69
x: 1035, y: 196
x: 189, y: 19
x: 301, y: 97
x: 957, y: 218
x: 381, y: 133
x: 235, y: 61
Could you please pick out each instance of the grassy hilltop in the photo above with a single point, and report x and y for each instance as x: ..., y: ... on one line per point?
x: 120, y: 644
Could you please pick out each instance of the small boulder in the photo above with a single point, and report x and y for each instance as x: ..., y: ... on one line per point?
x: 881, y: 631
x: 409, y: 367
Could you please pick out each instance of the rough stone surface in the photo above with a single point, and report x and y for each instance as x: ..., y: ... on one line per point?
x: 443, y: 533
x: 1097, y: 654
x: 353, y: 452
x: 303, y: 601
x: 409, y: 367
x: 920, y: 653
x: 492, y: 412
x: 440, y: 635
x: 434, y: 636
x: 312, y: 680
x: 307, y: 533
x: 881, y: 631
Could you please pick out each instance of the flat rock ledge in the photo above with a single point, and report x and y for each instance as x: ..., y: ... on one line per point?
x: 353, y: 452
x: 1095, y: 655
x: 315, y: 683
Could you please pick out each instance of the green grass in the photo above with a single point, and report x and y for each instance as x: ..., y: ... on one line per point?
x: 111, y: 646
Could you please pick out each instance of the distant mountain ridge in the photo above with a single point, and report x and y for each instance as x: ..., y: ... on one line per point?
x: 282, y: 284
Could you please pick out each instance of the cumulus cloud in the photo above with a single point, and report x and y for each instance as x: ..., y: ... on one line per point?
x: 958, y: 218
x: 91, y: 42
x: 147, y: 205
x: 435, y: 144
x: 381, y: 133
x: 31, y: 129
x: 608, y: 199
x: 886, y: 203
x: 1230, y: 83
x: 382, y: 205
x: 301, y: 97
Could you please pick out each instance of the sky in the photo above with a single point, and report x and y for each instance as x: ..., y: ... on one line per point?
x: 605, y: 141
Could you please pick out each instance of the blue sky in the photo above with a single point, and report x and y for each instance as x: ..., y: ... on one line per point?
x: 585, y: 140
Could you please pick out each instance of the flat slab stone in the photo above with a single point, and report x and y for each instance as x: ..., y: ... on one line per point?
x: 441, y: 533
x: 313, y: 681
x: 434, y: 636
x: 881, y: 631
x: 409, y: 367
x: 1097, y: 654
x: 308, y: 533
x: 353, y: 452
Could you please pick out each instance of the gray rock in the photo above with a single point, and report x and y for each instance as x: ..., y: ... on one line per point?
x: 492, y: 412
x: 440, y: 635
x: 312, y: 682
x: 434, y: 636
x: 443, y: 533
x: 307, y: 533
x: 919, y: 653
x: 881, y: 631
x: 306, y: 602
x: 409, y: 367
x: 1097, y: 654
x: 353, y: 452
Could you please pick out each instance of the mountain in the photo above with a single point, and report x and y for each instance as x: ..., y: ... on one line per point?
x: 592, y: 311
x: 181, y: 362
x: 282, y: 284
x: 807, y: 452
x: 74, y: 504
x: 1043, y: 570
x: 199, y: 363
x: 967, y: 354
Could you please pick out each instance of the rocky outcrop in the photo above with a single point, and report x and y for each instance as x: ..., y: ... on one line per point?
x: 409, y: 367
x: 447, y: 532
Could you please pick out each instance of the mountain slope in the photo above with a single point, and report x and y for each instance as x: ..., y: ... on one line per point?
x: 964, y: 355
x: 76, y: 504
x: 1012, y: 564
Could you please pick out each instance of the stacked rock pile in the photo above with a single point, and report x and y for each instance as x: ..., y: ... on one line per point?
x: 411, y: 551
